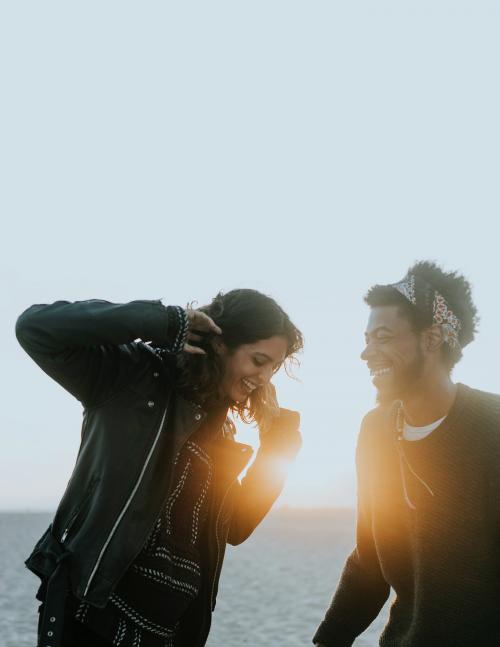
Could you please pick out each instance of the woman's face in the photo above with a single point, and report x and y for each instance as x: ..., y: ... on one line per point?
x: 250, y: 366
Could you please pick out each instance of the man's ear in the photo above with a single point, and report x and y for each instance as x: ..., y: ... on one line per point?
x: 433, y: 338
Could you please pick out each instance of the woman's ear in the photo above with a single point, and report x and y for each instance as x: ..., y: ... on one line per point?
x: 219, y: 346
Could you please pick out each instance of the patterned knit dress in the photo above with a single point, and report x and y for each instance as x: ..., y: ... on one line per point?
x: 165, y: 578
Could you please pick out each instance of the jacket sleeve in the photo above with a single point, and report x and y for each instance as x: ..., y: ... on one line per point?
x: 362, y: 590
x: 265, y: 479
x: 86, y: 346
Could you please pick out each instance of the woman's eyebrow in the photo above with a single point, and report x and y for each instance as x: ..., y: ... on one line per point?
x: 269, y: 359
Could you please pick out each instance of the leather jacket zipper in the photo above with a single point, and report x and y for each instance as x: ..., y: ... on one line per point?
x: 78, y: 510
x: 127, y: 504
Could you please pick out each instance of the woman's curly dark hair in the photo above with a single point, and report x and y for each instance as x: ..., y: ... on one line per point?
x: 244, y: 316
x: 451, y: 285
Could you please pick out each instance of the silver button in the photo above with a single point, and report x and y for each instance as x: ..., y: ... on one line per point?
x: 50, y: 634
x: 151, y: 404
x: 197, y: 416
x: 156, y: 374
x: 52, y: 619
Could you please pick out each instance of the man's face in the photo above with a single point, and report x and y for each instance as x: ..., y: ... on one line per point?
x: 392, y: 353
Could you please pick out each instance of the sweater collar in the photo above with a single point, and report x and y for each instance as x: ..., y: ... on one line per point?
x: 451, y: 422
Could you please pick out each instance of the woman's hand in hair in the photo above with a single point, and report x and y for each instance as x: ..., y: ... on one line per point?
x: 283, y: 437
x: 198, y: 322
x: 271, y: 398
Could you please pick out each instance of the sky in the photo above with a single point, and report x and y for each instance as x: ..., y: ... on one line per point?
x: 305, y: 149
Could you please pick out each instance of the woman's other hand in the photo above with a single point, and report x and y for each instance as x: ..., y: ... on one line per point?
x: 283, y: 437
x: 271, y: 399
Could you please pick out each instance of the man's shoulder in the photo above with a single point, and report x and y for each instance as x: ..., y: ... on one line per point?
x: 482, y: 402
x: 379, y: 416
x: 479, y: 393
x: 378, y: 422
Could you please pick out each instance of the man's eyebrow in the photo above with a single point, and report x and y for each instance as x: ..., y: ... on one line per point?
x: 379, y: 329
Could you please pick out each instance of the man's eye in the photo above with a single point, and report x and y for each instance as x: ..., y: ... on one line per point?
x: 383, y: 340
x: 258, y: 362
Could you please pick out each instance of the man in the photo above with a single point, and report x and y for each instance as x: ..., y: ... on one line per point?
x: 428, y: 478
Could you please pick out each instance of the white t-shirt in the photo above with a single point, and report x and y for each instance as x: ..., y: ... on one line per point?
x: 417, y: 433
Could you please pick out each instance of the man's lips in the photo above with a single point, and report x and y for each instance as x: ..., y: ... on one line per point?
x: 380, y: 371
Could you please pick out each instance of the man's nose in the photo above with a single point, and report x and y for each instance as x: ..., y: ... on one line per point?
x: 366, y: 352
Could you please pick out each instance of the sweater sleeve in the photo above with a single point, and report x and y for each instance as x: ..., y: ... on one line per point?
x: 87, y: 346
x: 362, y: 590
x: 265, y: 479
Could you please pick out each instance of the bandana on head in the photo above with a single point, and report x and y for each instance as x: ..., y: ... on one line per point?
x: 407, y: 288
x: 442, y: 314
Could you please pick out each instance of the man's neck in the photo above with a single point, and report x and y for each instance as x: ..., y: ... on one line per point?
x: 429, y: 400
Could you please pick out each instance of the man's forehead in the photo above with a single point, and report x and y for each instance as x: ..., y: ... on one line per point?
x: 387, y: 317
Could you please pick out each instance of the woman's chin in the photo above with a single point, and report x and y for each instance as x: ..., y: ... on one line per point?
x: 238, y: 396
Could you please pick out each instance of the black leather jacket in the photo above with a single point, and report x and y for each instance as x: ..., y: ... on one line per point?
x: 134, y: 423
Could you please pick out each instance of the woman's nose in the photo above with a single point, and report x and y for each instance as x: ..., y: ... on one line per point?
x: 265, y: 375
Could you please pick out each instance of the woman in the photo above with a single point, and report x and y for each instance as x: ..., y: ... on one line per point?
x: 134, y: 553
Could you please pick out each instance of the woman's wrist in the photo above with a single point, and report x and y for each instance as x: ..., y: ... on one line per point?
x: 178, y: 325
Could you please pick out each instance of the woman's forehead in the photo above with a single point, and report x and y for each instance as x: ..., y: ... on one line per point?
x: 274, y: 348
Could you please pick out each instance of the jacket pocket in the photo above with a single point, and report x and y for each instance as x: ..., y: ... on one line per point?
x: 78, y: 512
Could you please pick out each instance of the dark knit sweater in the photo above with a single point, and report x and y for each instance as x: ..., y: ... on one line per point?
x: 442, y: 558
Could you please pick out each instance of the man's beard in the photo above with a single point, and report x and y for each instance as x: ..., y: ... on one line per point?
x: 403, y: 382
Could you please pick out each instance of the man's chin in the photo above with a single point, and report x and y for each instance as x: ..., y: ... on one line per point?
x: 384, y: 397
x: 398, y: 385
x: 387, y: 393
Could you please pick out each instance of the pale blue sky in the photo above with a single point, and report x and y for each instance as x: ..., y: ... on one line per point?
x: 306, y: 149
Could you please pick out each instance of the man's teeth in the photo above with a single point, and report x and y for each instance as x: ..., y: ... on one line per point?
x: 379, y: 372
x: 250, y: 386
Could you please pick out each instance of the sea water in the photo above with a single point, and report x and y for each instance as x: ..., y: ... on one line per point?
x: 274, y: 588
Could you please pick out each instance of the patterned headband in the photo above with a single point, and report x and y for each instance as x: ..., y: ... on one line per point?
x: 442, y: 314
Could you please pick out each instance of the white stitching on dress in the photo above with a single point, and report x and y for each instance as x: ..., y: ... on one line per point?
x: 137, y: 637
x: 174, y: 496
x: 152, y: 538
x: 198, y: 451
x: 141, y: 621
x: 199, y: 503
x: 81, y: 612
x: 164, y: 553
x: 162, y: 578
x: 120, y: 632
